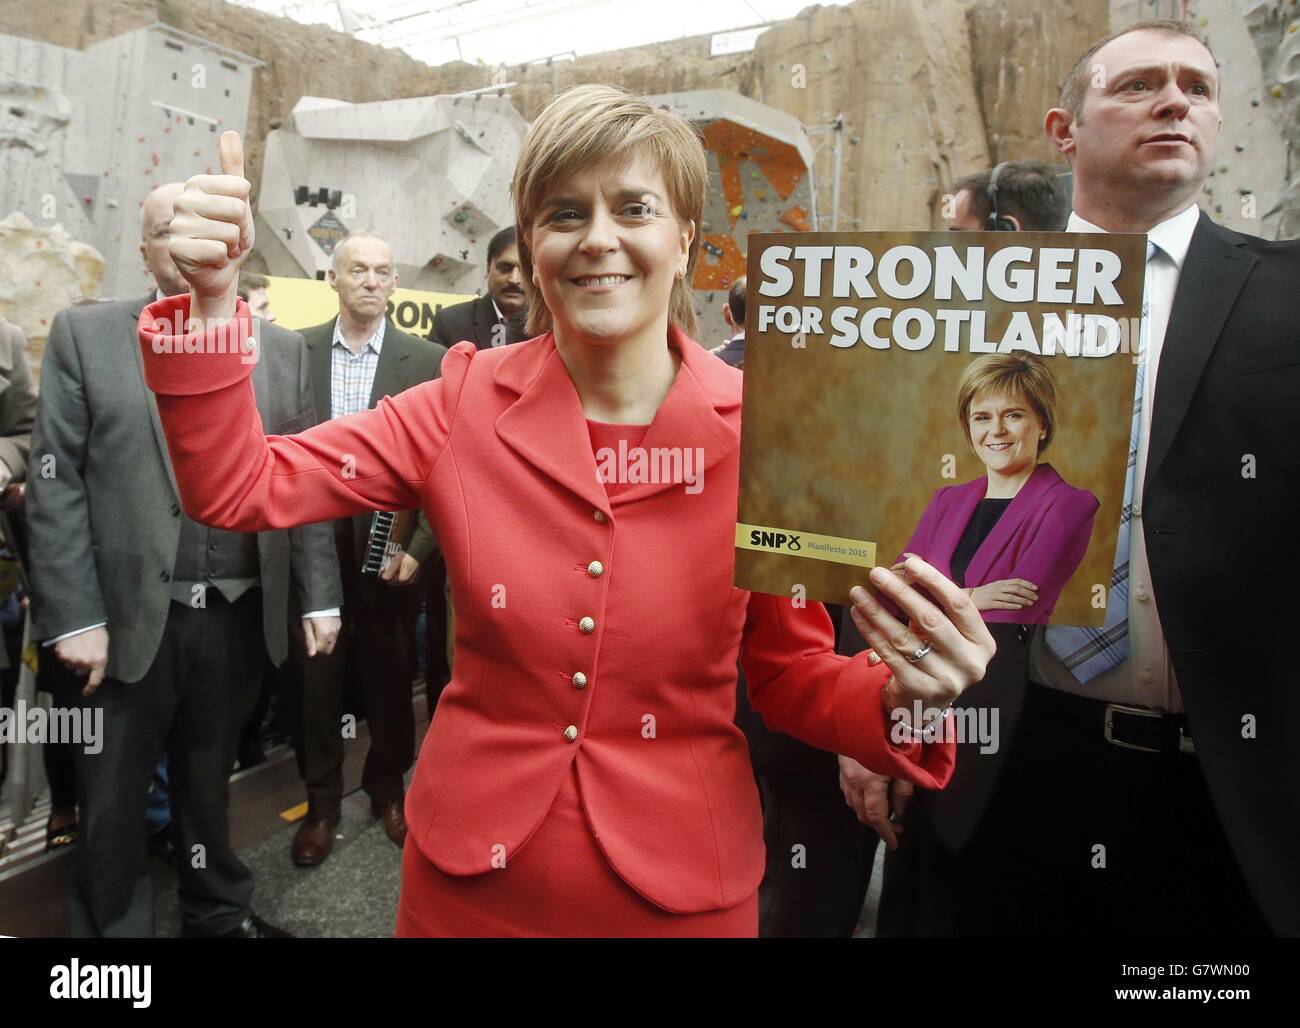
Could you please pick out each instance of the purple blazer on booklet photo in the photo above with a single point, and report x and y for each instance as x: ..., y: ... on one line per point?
x: 1041, y: 537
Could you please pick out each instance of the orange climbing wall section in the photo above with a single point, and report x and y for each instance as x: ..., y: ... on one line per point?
x: 778, y: 172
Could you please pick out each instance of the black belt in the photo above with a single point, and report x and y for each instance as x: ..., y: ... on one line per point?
x: 1134, y: 728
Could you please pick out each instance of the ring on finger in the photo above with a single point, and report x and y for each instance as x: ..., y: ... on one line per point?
x: 920, y: 654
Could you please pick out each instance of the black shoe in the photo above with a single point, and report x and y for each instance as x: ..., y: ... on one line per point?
x: 250, y: 754
x: 60, y: 838
x: 252, y: 928
x: 255, y: 928
x: 162, y: 844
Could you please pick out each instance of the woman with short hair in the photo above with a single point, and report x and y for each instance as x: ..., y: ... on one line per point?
x: 1016, y: 535
x: 582, y: 774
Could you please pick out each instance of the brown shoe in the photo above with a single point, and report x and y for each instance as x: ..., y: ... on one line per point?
x: 394, y: 820
x: 314, y: 840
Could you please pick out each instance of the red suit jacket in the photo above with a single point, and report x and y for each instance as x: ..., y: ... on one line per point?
x: 498, y: 455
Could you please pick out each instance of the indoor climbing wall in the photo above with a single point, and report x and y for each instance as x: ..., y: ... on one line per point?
x: 85, y: 135
x: 430, y: 174
x: 1251, y: 186
x: 1274, y: 29
x: 760, y: 180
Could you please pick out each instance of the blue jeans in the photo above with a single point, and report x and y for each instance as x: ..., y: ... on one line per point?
x: 158, y: 815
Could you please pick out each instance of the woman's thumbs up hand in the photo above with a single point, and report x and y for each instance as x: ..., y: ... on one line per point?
x: 212, y: 232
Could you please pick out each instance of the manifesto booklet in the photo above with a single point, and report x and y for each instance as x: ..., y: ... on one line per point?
x: 967, y: 397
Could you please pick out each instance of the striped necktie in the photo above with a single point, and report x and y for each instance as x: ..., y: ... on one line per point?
x: 1088, y: 652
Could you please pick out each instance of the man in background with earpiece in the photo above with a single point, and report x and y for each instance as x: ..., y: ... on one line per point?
x: 1015, y: 196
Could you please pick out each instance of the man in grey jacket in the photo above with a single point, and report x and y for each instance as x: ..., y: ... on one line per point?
x: 17, y: 411
x: 17, y: 404
x: 167, y: 620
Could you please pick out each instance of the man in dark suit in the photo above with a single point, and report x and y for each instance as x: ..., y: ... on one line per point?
x: 498, y: 316
x: 838, y: 813
x: 166, y: 619
x: 356, y: 360
x: 733, y: 313
x: 1147, y: 780
x: 1014, y: 196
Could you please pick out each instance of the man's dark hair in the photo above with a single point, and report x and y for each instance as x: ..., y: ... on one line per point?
x: 250, y: 281
x: 506, y: 237
x: 1029, y: 191
x: 1076, y: 81
x: 736, y: 302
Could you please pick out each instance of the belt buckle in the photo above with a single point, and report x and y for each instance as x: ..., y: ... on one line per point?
x: 1112, y: 708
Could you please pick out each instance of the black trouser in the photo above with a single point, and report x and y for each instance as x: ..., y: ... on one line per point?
x: 1081, y: 838
x: 437, y: 672
x: 64, y: 685
x: 819, y: 855
x: 818, y: 890
x: 193, y: 701
x: 376, y: 648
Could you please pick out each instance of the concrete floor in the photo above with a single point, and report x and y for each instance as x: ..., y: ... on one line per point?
x: 352, y: 895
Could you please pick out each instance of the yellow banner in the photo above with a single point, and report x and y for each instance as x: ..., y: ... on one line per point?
x: 300, y: 303
x: 806, y: 544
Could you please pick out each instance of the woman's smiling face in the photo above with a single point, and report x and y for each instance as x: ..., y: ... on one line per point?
x: 1005, y: 432
x: 607, y: 247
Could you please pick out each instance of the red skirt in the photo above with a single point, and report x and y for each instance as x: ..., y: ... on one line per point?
x: 559, y: 885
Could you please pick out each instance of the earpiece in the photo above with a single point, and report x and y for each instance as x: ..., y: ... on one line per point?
x: 997, y: 223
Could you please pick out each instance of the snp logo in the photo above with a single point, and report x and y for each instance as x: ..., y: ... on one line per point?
x: 774, y: 540
x: 120, y: 981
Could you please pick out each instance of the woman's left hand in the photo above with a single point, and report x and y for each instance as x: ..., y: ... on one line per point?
x: 957, y: 643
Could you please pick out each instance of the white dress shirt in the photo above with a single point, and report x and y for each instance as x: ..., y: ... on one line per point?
x: 1146, y: 679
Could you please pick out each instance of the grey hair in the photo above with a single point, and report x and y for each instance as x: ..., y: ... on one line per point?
x: 336, y: 258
